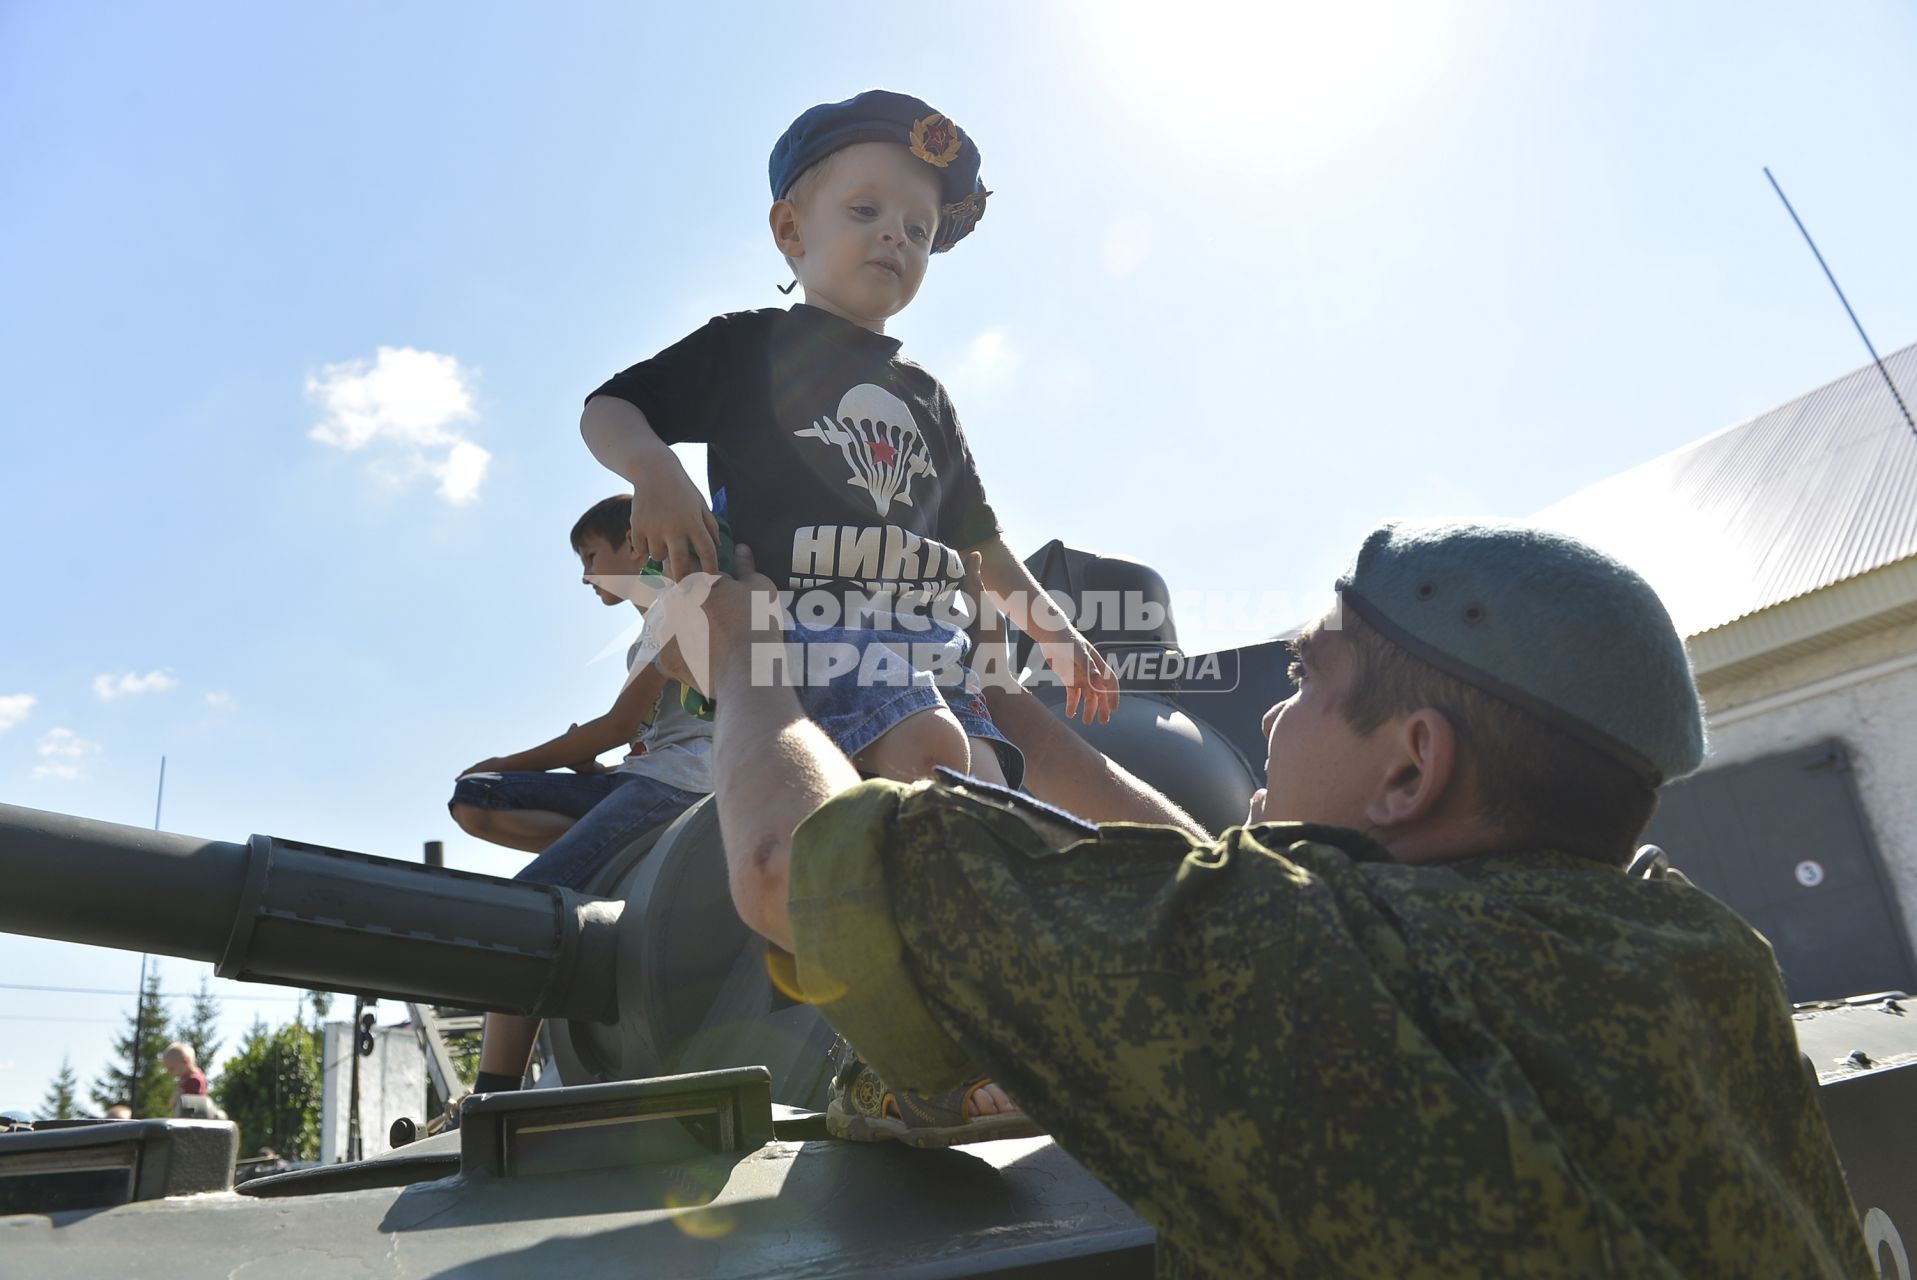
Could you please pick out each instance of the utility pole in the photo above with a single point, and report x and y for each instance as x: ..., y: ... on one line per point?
x: 139, y: 999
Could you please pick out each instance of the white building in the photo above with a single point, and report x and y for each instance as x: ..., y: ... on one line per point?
x: 1786, y: 549
x: 392, y: 1084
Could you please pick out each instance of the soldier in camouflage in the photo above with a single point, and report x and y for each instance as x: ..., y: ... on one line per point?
x: 1412, y: 1019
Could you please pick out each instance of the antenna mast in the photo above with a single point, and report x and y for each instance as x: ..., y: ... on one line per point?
x: 1875, y: 358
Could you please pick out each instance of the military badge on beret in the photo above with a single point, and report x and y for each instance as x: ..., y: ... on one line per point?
x: 935, y: 140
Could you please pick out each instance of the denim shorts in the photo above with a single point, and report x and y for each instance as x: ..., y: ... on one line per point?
x: 572, y: 794
x: 856, y: 684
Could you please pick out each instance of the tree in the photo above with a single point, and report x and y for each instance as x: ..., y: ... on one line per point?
x: 63, y: 1101
x: 270, y: 1088
x: 147, y: 1034
x: 200, y: 1025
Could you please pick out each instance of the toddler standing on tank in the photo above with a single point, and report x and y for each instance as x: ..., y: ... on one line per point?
x: 839, y: 462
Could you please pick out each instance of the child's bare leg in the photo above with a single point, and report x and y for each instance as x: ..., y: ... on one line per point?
x: 985, y: 765
x: 528, y: 830
x: 507, y: 1046
x: 915, y: 746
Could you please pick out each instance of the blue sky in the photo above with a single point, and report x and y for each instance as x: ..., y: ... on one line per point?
x: 1254, y: 279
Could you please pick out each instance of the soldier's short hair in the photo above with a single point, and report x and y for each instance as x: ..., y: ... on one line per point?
x: 1536, y: 783
x: 610, y: 518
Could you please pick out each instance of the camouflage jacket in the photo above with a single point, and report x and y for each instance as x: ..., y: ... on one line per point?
x: 1296, y: 1057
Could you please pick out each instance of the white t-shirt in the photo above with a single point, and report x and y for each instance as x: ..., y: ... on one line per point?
x: 677, y: 745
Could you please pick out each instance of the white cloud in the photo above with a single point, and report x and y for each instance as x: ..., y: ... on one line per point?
x: 460, y: 474
x: 987, y: 365
x: 408, y: 401
x: 14, y: 708
x: 62, y: 753
x: 109, y: 687
x: 220, y: 700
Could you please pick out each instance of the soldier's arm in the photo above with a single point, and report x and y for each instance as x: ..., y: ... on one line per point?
x: 771, y: 765
x: 1128, y: 985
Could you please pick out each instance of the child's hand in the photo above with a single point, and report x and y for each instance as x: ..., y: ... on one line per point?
x: 672, y: 524
x: 491, y: 764
x: 1089, y: 680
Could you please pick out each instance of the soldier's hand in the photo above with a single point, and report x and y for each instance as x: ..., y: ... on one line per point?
x: 709, y: 618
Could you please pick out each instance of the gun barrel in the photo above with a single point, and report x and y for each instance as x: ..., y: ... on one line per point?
x: 278, y: 911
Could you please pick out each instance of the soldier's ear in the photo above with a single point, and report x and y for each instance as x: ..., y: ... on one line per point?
x: 1417, y: 770
x: 784, y: 221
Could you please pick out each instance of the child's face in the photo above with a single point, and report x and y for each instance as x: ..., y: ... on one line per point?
x: 600, y: 563
x: 859, y: 241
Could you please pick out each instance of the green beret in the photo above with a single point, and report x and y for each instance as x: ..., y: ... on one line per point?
x: 1543, y: 622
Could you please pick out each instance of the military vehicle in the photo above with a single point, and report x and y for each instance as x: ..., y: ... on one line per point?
x: 685, y: 1137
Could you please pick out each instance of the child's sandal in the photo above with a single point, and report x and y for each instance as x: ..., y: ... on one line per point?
x: 862, y: 1109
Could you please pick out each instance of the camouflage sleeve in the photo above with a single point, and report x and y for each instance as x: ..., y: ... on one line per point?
x: 1092, y: 977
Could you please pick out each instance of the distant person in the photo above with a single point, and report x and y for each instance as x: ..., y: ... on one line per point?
x: 119, y: 1111
x: 1414, y: 1017
x: 189, y: 1082
x: 576, y: 822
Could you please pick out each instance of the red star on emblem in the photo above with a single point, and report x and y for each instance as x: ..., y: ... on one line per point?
x: 883, y: 453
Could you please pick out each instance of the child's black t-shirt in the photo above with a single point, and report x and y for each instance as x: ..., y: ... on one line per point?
x: 840, y: 463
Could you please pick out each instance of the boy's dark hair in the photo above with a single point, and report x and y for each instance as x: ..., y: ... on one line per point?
x: 610, y: 518
x: 1536, y: 783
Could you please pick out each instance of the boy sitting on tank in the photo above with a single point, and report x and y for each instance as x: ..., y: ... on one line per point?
x: 525, y: 800
x: 841, y: 462
x: 576, y: 822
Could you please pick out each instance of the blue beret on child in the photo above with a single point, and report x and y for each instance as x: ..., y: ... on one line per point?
x: 878, y: 115
x: 1543, y: 622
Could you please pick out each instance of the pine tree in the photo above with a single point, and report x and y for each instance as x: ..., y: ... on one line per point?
x: 200, y: 1024
x: 146, y: 1036
x: 270, y: 1088
x: 63, y: 1101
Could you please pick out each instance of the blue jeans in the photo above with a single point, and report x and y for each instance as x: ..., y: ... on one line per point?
x: 573, y: 794
x: 631, y: 805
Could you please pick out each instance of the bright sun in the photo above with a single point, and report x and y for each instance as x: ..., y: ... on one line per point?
x: 1287, y: 83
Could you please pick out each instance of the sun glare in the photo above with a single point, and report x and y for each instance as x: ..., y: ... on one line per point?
x: 1278, y: 84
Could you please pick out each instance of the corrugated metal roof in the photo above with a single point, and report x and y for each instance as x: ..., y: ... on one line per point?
x: 1813, y: 492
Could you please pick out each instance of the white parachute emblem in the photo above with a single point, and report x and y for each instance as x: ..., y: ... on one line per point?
x: 881, y: 443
